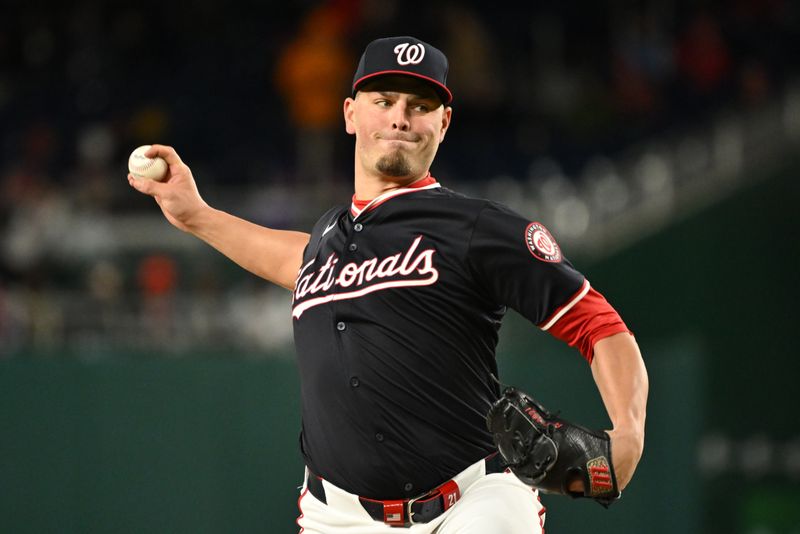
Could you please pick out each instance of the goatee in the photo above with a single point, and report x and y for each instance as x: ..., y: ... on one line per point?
x: 394, y: 164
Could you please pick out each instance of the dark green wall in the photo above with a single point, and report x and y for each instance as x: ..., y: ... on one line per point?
x: 148, y: 445
x: 135, y: 443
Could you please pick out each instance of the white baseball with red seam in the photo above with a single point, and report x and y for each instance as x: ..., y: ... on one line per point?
x: 144, y: 168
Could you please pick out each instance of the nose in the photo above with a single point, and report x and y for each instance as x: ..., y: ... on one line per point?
x: 400, y: 117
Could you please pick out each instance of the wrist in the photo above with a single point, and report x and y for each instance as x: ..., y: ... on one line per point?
x: 632, y: 435
x: 199, y: 219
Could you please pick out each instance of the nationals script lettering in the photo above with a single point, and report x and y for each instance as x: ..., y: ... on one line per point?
x: 405, y: 269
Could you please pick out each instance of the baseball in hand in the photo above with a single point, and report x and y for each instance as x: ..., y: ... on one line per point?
x: 144, y: 168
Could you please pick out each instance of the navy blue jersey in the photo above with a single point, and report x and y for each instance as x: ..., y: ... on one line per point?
x: 396, y: 312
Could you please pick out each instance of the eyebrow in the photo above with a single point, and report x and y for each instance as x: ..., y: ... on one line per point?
x: 416, y: 96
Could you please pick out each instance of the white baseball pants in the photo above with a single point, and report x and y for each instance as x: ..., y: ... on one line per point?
x: 497, y: 503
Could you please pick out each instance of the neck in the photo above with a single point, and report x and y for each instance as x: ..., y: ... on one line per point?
x: 369, y: 186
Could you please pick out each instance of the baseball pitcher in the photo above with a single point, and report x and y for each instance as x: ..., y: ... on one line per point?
x: 397, y: 302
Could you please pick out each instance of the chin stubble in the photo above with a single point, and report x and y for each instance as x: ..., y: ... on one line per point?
x: 394, y: 164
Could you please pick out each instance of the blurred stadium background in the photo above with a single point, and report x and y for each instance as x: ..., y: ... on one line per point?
x: 147, y: 385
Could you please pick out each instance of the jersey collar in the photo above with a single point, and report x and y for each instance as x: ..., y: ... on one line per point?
x: 359, y: 207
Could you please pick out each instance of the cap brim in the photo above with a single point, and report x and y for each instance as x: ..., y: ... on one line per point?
x: 444, y: 93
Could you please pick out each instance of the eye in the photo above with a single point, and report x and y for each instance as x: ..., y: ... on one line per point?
x: 422, y: 108
x: 383, y: 103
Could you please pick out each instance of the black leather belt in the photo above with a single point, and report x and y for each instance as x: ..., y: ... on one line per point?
x: 406, y: 512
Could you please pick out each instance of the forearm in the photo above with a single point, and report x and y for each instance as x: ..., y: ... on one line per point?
x: 621, y: 378
x: 275, y: 255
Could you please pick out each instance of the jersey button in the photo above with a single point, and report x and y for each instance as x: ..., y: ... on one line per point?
x: 352, y: 247
x: 358, y: 227
x: 379, y: 436
x: 340, y: 326
x: 409, y: 486
x: 355, y: 382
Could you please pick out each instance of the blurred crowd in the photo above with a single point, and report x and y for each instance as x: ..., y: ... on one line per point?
x: 251, y: 97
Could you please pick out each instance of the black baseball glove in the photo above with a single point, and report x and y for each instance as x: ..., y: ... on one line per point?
x: 548, y: 452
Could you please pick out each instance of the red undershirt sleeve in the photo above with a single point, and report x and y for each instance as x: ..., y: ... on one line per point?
x: 585, y: 319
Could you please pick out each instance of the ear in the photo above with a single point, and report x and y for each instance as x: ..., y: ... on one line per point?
x: 349, y: 111
x: 446, y: 116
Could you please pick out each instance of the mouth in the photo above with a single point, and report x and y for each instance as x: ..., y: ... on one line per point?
x: 398, y: 143
x: 397, y: 137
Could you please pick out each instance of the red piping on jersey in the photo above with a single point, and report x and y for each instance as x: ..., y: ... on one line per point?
x: 585, y: 319
x: 358, y: 206
x: 564, y: 308
x: 541, y: 512
x: 300, y: 498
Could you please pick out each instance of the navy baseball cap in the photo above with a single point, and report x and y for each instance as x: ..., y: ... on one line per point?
x: 406, y: 56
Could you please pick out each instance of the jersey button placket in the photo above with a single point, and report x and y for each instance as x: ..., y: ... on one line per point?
x: 357, y: 227
x: 350, y: 363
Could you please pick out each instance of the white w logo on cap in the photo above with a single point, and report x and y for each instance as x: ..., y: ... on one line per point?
x: 408, y: 54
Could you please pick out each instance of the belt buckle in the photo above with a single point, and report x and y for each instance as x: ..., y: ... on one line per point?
x: 448, y: 492
x: 410, y: 513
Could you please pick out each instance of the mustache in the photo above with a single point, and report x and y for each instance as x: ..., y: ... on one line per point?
x: 399, y: 136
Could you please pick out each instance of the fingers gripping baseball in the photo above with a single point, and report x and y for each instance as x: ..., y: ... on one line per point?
x: 177, y: 194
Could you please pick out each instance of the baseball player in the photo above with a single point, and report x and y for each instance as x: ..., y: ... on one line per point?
x: 397, y: 302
